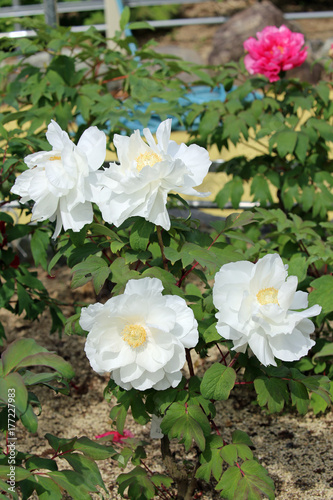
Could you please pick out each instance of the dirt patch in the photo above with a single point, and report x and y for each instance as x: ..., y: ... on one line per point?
x: 297, y: 451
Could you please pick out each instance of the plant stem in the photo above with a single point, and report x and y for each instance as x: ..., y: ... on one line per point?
x: 160, y: 242
x: 185, y: 485
x: 189, y: 362
x: 233, y: 361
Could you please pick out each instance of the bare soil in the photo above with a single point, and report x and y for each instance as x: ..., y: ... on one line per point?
x: 297, y: 451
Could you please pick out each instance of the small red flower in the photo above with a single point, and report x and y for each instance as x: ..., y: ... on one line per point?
x: 116, y: 436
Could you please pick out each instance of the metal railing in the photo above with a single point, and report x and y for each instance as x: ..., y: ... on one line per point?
x: 93, y: 5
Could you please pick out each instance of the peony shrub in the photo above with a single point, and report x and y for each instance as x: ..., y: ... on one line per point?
x: 185, y: 311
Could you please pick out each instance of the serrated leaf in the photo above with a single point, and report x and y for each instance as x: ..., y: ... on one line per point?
x: 240, y: 437
x: 139, y: 485
x: 285, y: 142
x: 229, y: 454
x: 181, y: 424
x: 271, y: 392
x: 256, y: 480
x: 140, y: 234
x: 299, y: 396
x: 217, y: 382
x: 229, y: 483
x: 322, y: 293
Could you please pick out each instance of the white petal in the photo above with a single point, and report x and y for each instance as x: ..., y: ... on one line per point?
x: 287, y: 292
x: 78, y: 217
x: 130, y: 372
x: 93, y: 144
x: 144, y: 287
x: 262, y: 349
x: 163, y: 134
x: 268, y: 272
x: 45, y: 208
x: 291, y: 347
x: 300, y: 300
x: 56, y: 136
x: 88, y: 315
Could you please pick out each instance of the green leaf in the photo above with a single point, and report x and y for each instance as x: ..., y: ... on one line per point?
x: 36, y: 462
x: 125, y: 17
x: 100, y: 229
x: 17, y: 351
x: 92, y: 449
x: 14, y: 381
x: 5, y: 487
x: 95, y: 268
x: 322, y: 293
x: 229, y: 483
x: 302, y: 145
x: 240, y: 437
x: 260, y: 190
x: 187, y: 424
x: 326, y: 350
x: 73, y: 483
x: 87, y: 468
x: 208, y: 122
x: 256, y: 480
x: 285, y: 142
x: 20, y: 473
x: 299, y: 396
x: 48, y: 359
x: 138, y: 483
x: 272, y: 392
x: 39, y: 243
x: 229, y: 454
x: 217, y: 382
x: 29, y: 419
x: 140, y: 234
x: 47, y: 489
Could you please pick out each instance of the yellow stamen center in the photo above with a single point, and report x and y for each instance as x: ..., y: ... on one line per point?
x: 268, y: 296
x: 281, y: 49
x: 54, y: 158
x: 148, y: 158
x: 134, y: 335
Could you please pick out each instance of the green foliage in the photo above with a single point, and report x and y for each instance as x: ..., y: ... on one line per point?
x: 82, y: 479
x: 17, y: 381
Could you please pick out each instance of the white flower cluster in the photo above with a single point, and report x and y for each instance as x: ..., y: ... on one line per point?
x: 140, y: 336
x: 64, y: 182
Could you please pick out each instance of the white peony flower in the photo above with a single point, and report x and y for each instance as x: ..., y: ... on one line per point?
x: 260, y: 307
x: 60, y: 181
x: 147, y: 173
x: 140, y: 337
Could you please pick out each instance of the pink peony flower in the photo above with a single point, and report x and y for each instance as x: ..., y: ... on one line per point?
x: 275, y: 50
